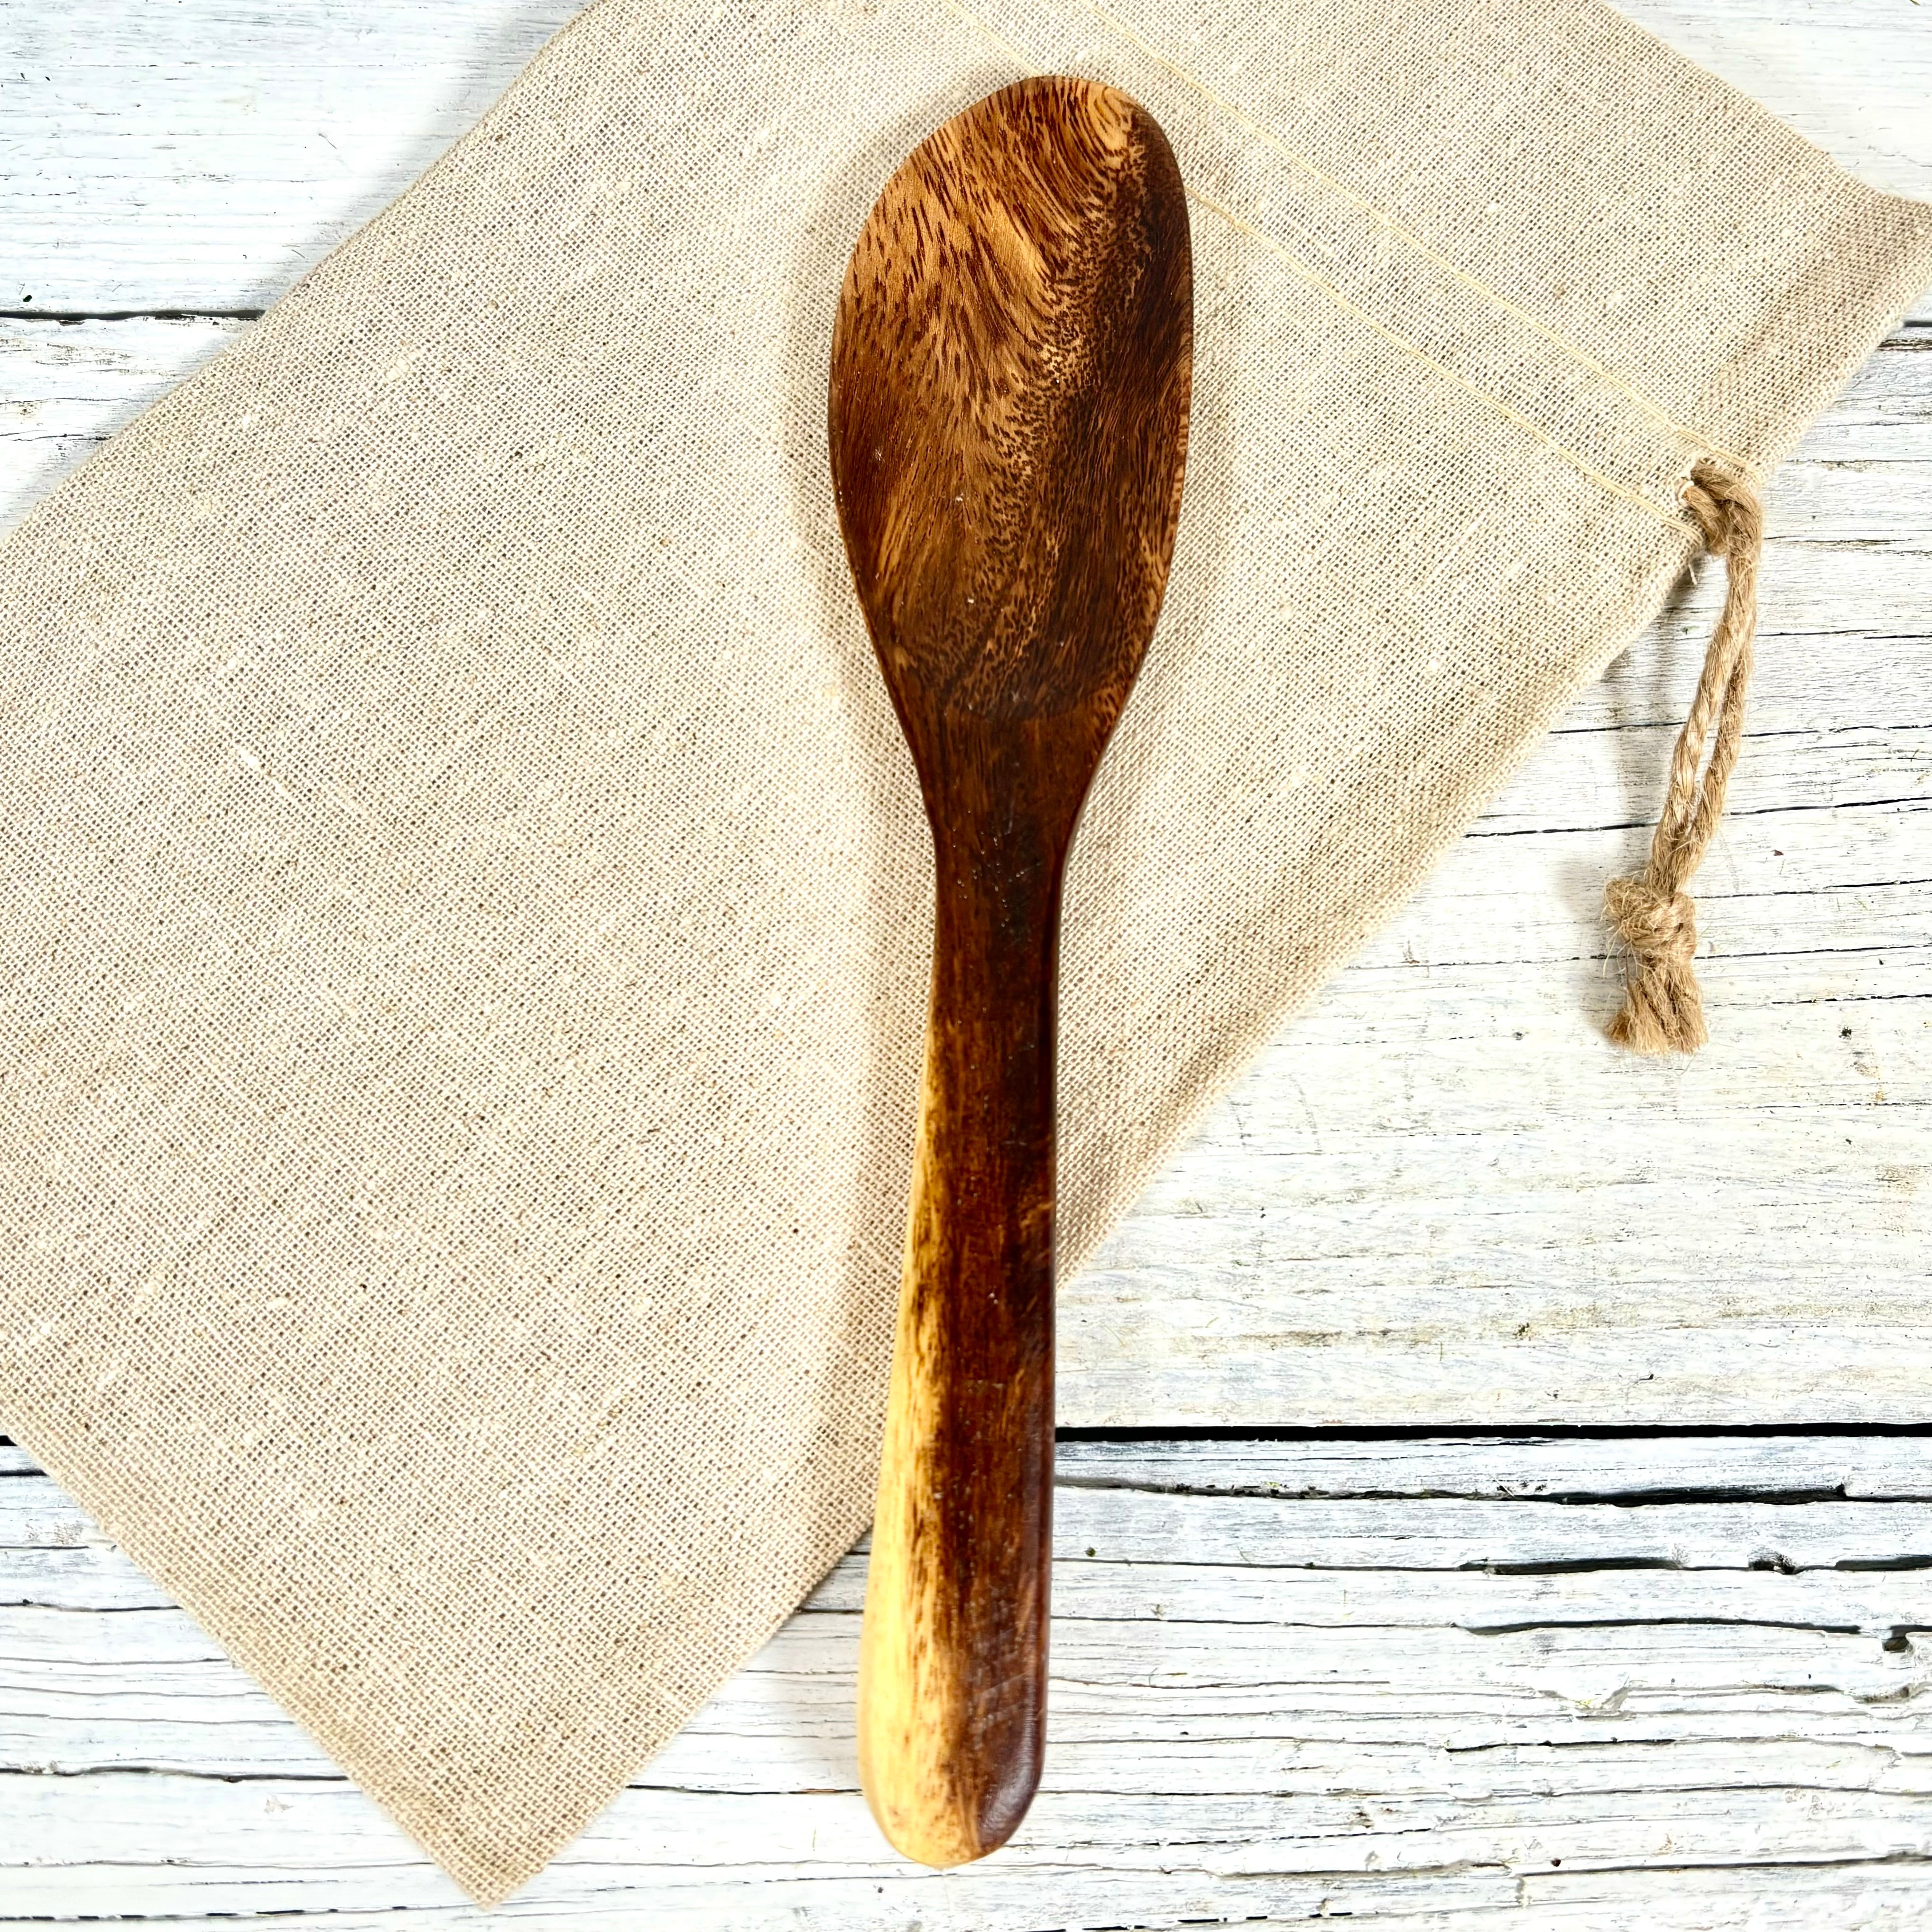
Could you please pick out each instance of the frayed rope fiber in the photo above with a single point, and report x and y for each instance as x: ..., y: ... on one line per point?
x: 1653, y: 915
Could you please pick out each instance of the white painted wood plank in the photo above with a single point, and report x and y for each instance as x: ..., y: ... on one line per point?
x: 1275, y: 1692
x: 65, y: 390
x: 1617, y: 1470
x: 202, y: 155
x: 1870, y: 1897
x: 1375, y: 1741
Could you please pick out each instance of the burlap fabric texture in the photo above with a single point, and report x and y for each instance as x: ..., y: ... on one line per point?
x: 467, y: 900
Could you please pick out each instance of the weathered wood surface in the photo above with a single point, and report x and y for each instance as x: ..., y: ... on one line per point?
x: 1438, y: 1200
x: 1571, y: 1681
x: 199, y: 154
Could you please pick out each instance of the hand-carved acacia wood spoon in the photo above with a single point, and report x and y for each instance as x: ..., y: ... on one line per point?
x: 1010, y: 376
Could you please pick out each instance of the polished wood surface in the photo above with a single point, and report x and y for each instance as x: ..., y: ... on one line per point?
x: 1008, y: 419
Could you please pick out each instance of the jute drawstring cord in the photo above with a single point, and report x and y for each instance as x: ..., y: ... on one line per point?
x: 1653, y: 914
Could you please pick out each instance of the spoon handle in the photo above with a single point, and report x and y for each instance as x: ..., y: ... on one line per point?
x: 953, y: 1662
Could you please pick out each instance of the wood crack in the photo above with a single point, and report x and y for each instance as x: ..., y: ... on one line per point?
x: 71, y: 318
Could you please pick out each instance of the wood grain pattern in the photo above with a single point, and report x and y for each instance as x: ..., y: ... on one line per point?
x: 1008, y: 420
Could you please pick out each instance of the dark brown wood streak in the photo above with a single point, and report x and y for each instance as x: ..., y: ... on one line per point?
x: 1011, y: 370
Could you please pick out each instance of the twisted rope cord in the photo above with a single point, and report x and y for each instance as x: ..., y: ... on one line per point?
x: 1653, y: 915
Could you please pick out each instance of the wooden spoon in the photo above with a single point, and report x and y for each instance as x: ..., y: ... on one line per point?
x: 1010, y: 376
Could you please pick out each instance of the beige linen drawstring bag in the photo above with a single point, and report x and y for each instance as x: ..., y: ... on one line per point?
x: 467, y: 897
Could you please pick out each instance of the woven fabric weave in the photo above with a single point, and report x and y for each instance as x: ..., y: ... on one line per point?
x: 468, y: 898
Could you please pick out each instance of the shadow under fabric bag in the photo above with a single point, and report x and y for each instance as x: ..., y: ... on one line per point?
x: 467, y: 896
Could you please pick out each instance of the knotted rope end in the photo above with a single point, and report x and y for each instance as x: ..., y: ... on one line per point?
x: 1662, y: 1011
